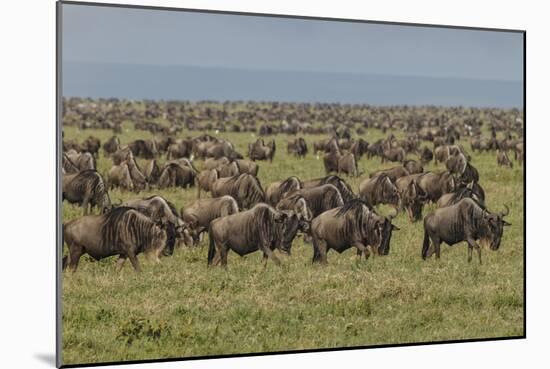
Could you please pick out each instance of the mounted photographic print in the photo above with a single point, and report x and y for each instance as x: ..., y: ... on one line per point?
x: 240, y: 184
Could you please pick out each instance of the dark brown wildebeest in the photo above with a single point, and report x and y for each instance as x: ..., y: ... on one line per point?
x: 244, y: 232
x: 297, y: 204
x: 392, y: 173
x: 146, y: 149
x: 394, y: 154
x: 220, y: 149
x: 123, y: 231
x: 165, y: 215
x: 151, y: 171
x: 175, y: 175
x: 426, y: 155
x: 319, y: 199
x: 86, y: 188
x: 413, y: 197
x: 202, y: 212
x: 244, y: 188
x: 379, y: 190
x: 139, y: 179
x: 339, y: 183
x: 212, y: 163
x: 470, y: 174
x: 92, y: 145
x: 82, y: 161
x: 456, y: 164
x: 351, y: 225
x: 277, y: 190
x: 359, y: 148
x: 413, y: 167
x: 119, y: 176
x: 297, y: 147
x: 463, y: 221
x: 180, y: 149
x: 503, y: 160
x: 121, y: 155
x: 261, y: 151
x: 341, y: 163
x: 436, y: 184
x: 247, y: 166
x: 460, y: 193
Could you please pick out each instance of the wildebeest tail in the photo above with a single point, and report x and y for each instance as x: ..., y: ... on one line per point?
x: 426, y: 245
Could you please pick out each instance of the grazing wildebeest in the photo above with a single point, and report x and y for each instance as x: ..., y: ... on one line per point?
x: 123, y: 231
x: 277, y: 190
x: 202, y: 212
x: 119, y: 176
x: 139, y: 179
x: 379, y: 190
x: 392, y: 173
x: 395, y: 154
x: 86, y: 188
x: 151, y: 171
x: 459, y: 194
x: 175, y: 175
x: 91, y: 145
x: 426, y: 155
x: 244, y: 188
x: 456, y: 164
x: 359, y: 148
x: 413, y: 167
x: 351, y: 225
x: 143, y: 148
x: 165, y: 215
x: 297, y: 204
x: 339, y: 183
x: 470, y: 174
x: 212, y: 163
x: 436, y: 184
x: 503, y: 160
x: 413, y: 197
x: 244, y: 232
x: 297, y: 147
x: 319, y: 199
x: 261, y: 151
x: 121, y: 155
x: 463, y: 221
x: 341, y: 163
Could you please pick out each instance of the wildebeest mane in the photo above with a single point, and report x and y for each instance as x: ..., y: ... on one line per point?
x: 354, y: 214
x: 345, y: 190
x: 287, y: 184
x: 124, y: 224
x: 90, y: 181
x: 260, y: 230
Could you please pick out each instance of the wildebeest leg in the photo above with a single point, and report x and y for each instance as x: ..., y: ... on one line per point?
x: 267, y: 251
x: 85, y: 203
x: 361, y: 250
x: 436, y: 248
x: 120, y: 262
x: 322, y: 248
x: 134, y: 261
x: 473, y: 244
x: 75, y: 252
x: 470, y: 249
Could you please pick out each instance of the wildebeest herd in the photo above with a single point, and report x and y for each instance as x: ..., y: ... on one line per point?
x: 237, y: 212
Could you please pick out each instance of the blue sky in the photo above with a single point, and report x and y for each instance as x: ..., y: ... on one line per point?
x: 105, y: 36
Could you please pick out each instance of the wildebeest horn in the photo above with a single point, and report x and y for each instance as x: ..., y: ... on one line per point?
x: 507, y: 211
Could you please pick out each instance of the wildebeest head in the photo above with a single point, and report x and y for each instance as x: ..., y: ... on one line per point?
x: 448, y: 183
x: 415, y: 197
x: 386, y: 228
x: 495, y: 226
x: 291, y: 225
x: 390, y: 193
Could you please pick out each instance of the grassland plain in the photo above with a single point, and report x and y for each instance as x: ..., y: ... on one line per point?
x: 180, y: 308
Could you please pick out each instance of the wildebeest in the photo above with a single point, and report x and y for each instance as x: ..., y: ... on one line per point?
x: 203, y: 211
x: 82, y: 161
x: 413, y: 167
x: 319, y: 199
x: 247, y: 166
x: 175, y: 175
x: 261, y: 151
x: 351, y: 225
x: 244, y: 188
x: 395, y: 154
x: 151, y: 171
x: 413, y: 197
x: 297, y: 204
x: 436, y: 184
x: 341, y: 163
x: 244, y: 232
x: 339, y: 183
x: 297, y: 147
x: 146, y: 149
x: 456, y: 164
x: 503, y: 160
x: 392, y: 173
x: 91, y: 145
x: 119, y: 176
x: 86, y: 188
x: 123, y: 231
x: 379, y: 190
x: 464, y: 221
x: 426, y: 155
x: 277, y: 190
x: 205, y: 179
x: 68, y: 166
x: 165, y: 215
x: 359, y: 148
x: 460, y: 193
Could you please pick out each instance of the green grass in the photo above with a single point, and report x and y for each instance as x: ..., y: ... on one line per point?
x: 180, y: 308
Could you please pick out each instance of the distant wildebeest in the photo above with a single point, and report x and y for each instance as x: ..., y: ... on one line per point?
x: 247, y: 166
x: 151, y: 171
x: 146, y: 149
x: 212, y: 163
x: 92, y: 145
x: 175, y: 175
x: 426, y: 155
x: 463, y: 221
x: 351, y: 225
x: 202, y: 212
x: 392, y: 173
x: 344, y: 188
x: 165, y: 215
x: 139, y: 179
x: 503, y: 160
x: 413, y: 197
x: 470, y: 174
x: 319, y: 199
x: 379, y: 190
x: 359, y: 148
x: 111, y: 146
x: 121, y: 155
x: 68, y: 166
x: 261, y: 151
x: 244, y: 188
x: 341, y: 163
x: 413, y: 167
x: 394, y: 154
x: 436, y: 184
x: 277, y: 190
x: 119, y: 176
x: 460, y: 193
x: 244, y: 233
x: 297, y: 147
x: 86, y: 188
x: 180, y: 149
x: 519, y: 152
x: 123, y: 231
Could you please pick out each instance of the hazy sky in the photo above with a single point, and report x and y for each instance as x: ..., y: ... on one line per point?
x: 93, y: 34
